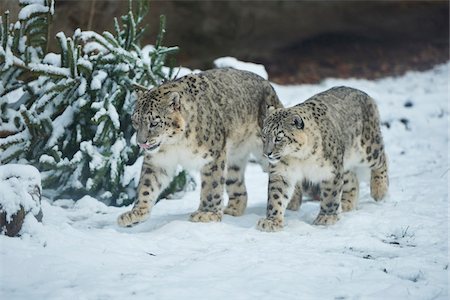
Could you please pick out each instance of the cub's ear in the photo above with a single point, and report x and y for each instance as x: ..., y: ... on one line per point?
x: 175, y: 101
x: 298, y: 122
x: 139, y: 89
x: 270, y: 109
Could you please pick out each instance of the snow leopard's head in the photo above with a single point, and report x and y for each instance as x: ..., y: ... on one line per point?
x: 157, y: 118
x: 283, y: 134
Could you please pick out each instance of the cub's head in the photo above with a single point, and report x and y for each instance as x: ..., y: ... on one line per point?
x: 283, y: 134
x: 157, y: 118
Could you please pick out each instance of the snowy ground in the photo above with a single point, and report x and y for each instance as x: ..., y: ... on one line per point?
x: 397, y: 249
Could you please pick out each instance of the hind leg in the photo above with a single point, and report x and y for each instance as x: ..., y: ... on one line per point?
x: 235, y: 186
x: 296, y: 199
x: 379, y: 178
x: 350, y: 191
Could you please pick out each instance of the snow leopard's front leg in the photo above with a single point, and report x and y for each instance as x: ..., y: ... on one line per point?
x: 153, y: 181
x: 213, y: 180
x: 280, y: 191
x: 330, y: 200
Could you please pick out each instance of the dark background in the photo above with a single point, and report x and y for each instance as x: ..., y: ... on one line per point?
x: 297, y: 41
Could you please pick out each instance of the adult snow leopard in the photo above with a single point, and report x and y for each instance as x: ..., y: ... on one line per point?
x: 210, y: 122
x: 323, y: 140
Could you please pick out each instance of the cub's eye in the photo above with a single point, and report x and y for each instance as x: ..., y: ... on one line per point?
x: 278, y: 139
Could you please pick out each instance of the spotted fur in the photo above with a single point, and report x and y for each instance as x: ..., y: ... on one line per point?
x: 323, y: 140
x: 210, y: 122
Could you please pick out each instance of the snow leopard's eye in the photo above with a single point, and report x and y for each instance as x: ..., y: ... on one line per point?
x: 154, y: 123
x: 278, y: 139
x: 298, y: 122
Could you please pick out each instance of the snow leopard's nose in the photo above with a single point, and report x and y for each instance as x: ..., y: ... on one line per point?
x: 268, y: 149
x: 272, y: 156
x: 141, y: 137
x: 273, y: 159
x: 268, y: 155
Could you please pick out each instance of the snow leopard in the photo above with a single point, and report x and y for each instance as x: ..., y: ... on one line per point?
x: 211, y: 122
x: 323, y: 140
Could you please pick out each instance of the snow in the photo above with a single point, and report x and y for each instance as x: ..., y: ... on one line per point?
x: 94, y: 47
x: 113, y: 115
x: 62, y: 40
x: 87, y: 36
x: 146, y: 53
x: 98, y: 79
x: 82, y: 89
x: 13, y: 96
x: 36, y: 67
x: 109, y: 111
x: 31, y: 9
x: 231, y: 62
x: 395, y: 249
x: 52, y: 59
x: 96, y: 161
x: 116, y: 150
x: 9, y: 58
x: 41, y: 2
x: 16, y: 181
x: 60, y: 124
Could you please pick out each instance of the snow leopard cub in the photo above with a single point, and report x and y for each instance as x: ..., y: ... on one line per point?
x: 323, y: 140
x: 210, y: 122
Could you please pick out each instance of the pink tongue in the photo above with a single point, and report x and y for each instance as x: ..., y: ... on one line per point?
x: 145, y: 146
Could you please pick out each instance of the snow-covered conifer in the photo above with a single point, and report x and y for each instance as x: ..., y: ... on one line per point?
x: 69, y: 112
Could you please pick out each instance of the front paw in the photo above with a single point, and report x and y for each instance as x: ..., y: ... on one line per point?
x: 206, y: 216
x: 270, y: 225
x: 323, y: 219
x: 130, y: 218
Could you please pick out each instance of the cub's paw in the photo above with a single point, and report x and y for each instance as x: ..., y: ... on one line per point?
x: 234, y: 211
x: 205, y: 216
x: 323, y: 219
x: 129, y: 219
x: 269, y: 225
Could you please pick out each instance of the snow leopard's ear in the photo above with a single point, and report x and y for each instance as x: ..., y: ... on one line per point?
x: 175, y: 101
x: 264, y: 111
x: 298, y: 122
x: 139, y: 89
